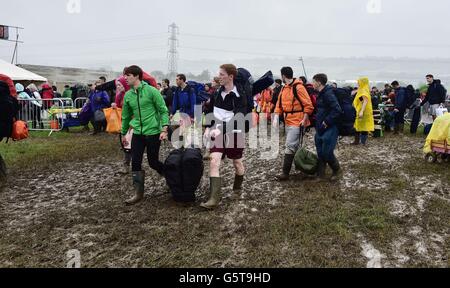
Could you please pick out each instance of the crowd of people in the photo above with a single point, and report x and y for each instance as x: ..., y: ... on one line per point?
x: 291, y: 102
x: 150, y: 109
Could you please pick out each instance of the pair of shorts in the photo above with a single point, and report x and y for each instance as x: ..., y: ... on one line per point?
x: 230, y: 145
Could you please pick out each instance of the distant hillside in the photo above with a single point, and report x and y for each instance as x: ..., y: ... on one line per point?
x: 405, y: 70
x: 61, y: 76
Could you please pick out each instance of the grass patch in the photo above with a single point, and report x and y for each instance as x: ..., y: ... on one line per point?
x: 43, y: 152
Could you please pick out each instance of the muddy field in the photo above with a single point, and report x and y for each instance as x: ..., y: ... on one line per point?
x: 390, y: 209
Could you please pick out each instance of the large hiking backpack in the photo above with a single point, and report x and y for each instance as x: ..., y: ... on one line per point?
x: 10, y: 83
x: 244, y: 82
x: 313, y: 96
x: 9, y: 108
x: 346, y: 123
x: 149, y: 79
x: 183, y: 171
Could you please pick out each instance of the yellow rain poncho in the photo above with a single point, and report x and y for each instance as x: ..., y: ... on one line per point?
x: 365, y: 124
x: 439, y: 132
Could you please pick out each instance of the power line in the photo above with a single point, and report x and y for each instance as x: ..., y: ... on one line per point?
x: 238, y: 52
x: 319, y: 43
x: 105, y: 53
x: 101, y: 40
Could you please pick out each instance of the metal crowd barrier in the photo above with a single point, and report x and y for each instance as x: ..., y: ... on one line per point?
x: 51, y: 115
x: 79, y: 102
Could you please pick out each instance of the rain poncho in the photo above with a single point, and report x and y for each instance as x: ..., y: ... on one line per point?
x: 365, y: 124
x: 439, y: 132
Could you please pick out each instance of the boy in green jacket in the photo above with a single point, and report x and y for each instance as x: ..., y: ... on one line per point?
x: 145, y: 111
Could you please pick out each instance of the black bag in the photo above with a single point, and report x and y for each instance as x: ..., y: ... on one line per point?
x: 9, y: 107
x: 305, y: 160
x: 99, y: 116
x: 183, y: 171
x: 263, y: 83
x: 244, y: 83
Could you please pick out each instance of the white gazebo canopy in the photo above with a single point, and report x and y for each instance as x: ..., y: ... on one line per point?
x: 19, y: 74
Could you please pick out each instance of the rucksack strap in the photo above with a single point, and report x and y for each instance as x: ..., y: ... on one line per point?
x: 302, y: 135
x: 296, y: 97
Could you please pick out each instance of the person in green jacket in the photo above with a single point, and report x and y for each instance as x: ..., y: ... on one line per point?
x: 145, y: 111
x: 67, y: 92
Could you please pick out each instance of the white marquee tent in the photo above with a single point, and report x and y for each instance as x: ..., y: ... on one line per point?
x: 19, y: 74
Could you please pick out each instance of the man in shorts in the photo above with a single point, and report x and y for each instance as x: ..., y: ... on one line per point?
x: 226, y: 104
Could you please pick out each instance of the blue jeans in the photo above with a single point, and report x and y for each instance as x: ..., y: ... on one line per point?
x: 326, y: 143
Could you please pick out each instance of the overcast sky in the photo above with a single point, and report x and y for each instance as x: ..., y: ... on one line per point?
x: 106, y: 32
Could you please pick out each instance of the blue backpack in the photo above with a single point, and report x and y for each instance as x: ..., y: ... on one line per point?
x: 201, y: 95
x: 347, y: 120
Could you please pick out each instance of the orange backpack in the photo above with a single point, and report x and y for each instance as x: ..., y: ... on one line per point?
x: 20, y: 131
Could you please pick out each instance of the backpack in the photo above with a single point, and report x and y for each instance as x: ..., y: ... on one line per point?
x: 347, y: 120
x: 244, y: 82
x: 183, y: 170
x: 9, y: 108
x: 263, y: 83
x: 411, y: 97
x: 19, y: 131
x: 200, y: 93
x: 444, y: 94
x: 313, y: 96
x: 149, y: 79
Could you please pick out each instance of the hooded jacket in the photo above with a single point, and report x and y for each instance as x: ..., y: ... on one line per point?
x: 147, y: 108
x: 328, y: 108
x: 436, y: 93
x: 47, y: 92
x: 99, y: 100
x: 120, y: 96
x: 22, y: 95
x: 184, y: 101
